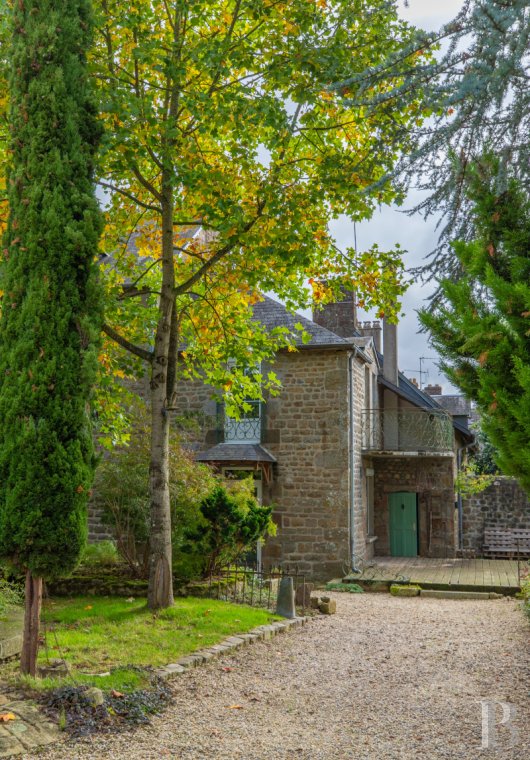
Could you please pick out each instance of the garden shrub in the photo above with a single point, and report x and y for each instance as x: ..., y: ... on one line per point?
x: 231, y: 522
x: 10, y: 596
x: 202, y: 538
x: 101, y: 554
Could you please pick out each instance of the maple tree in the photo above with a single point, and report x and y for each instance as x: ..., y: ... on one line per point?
x: 50, y: 316
x: 227, y: 152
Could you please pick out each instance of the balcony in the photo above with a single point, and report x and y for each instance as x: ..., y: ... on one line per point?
x: 419, y: 431
x: 246, y: 429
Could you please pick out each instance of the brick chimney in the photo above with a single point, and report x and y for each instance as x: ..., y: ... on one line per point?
x: 414, y: 382
x: 371, y: 330
x: 339, y: 317
x: 433, y: 390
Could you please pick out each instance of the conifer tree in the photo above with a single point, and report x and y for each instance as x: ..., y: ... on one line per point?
x: 50, y: 314
x: 482, y: 330
x: 475, y: 90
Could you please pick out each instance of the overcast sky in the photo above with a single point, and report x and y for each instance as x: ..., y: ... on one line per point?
x: 414, y: 234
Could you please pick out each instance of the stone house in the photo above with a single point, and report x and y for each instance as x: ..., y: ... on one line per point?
x: 356, y: 460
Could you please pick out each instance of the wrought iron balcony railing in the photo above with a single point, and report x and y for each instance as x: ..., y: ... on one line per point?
x: 246, y: 429
x: 423, y: 430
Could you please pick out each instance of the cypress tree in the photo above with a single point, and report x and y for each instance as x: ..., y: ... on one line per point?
x: 482, y: 328
x: 50, y: 308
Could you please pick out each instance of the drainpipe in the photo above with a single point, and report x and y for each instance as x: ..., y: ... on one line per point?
x: 459, y: 503
x: 351, y: 514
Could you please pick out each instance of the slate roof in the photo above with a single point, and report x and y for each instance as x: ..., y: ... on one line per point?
x: 272, y: 314
x: 410, y: 392
x: 236, y: 452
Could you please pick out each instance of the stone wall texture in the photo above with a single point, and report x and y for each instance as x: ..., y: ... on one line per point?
x: 307, y: 426
x: 503, y: 505
x: 432, y: 479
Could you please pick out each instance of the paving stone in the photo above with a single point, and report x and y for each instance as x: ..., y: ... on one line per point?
x: 250, y: 638
x: 397, y: 589
x: 174, y: 667
x: 10, y: 646
x: 234, y: 641
x: 188, y: 662
x: 9, y: 745
x: 30, y: 730
x: 435, y: 594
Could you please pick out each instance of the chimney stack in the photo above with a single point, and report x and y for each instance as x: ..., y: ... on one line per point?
x: 371, y: 330
x: 390, y: 352
x: 433, y: 390
x: 339, y: 317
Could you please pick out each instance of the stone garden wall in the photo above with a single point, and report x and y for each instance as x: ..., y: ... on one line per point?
x: 503, y: 505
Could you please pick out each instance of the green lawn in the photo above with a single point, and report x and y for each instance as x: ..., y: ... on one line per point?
x: 95, y: 634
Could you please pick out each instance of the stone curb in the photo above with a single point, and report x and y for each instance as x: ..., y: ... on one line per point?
x: 435, y: 594
x: 229, y: 645
x: 11, y: 646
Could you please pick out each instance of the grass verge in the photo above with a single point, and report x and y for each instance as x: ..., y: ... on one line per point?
x: 97, y: 635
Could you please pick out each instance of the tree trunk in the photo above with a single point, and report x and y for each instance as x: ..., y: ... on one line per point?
x: 30, y: 646
x: 160, y: 593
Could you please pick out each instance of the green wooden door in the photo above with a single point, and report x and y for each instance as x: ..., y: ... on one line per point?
x: 403, y: 516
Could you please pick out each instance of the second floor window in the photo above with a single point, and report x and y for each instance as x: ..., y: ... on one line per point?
x: 246, y: 429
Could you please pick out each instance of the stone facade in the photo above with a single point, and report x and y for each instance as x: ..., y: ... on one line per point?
x: 307, y: 430
x: 330, y: 500
x: 432, y: 478
x: 503, y: 505
x: 311, y: 483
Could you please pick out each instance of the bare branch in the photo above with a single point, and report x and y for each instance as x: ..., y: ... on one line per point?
x: 130, y: 196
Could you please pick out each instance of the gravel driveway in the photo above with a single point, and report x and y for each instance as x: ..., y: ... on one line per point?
x: 385, y: 678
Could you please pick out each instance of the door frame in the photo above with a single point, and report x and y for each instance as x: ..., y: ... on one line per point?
x: 416, y: 494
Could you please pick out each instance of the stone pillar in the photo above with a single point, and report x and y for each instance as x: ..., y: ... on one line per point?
x: 285, y: 603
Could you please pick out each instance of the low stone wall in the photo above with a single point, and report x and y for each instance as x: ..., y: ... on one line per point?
x: 503, y: 505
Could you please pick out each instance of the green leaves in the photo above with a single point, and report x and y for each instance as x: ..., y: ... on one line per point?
x: 482, y: 331
x: 51, y: 312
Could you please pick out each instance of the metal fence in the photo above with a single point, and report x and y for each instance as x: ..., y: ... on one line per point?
x: 257, y: 587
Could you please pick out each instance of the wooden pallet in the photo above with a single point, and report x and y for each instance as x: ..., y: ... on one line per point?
x: 506, y: 542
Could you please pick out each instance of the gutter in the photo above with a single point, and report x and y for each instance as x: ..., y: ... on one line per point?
x: 334, y: 347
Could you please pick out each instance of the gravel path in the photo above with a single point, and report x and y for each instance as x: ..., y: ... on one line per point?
x: 385, y: 678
